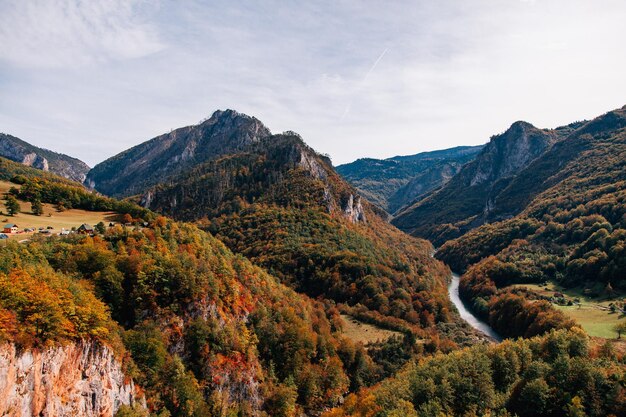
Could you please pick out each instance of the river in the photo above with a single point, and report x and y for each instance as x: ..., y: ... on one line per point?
x: 466, y: 314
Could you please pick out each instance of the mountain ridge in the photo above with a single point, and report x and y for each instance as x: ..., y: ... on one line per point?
x: 470, y: 198
x: 18, y: 150
x: 395, y: 182
x: 166, y: 155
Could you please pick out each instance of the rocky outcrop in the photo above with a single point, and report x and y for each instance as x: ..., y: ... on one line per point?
x: 19, y: 151
x: 471, y: 197
x: 509, y: 153
x: 76, y: 379
x: 156, y: 161
x: 354, y: 210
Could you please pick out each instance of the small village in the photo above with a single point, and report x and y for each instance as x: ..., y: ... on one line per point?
x: 9, y: 229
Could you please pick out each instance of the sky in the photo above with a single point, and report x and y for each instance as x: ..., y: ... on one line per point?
x: 354, y: 78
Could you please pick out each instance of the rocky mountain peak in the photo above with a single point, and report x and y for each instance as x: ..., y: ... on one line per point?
x: 508, y: 153
x: 165, y: 156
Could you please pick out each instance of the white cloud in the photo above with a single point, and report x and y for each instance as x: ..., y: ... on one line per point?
x: 454, y: 72
x: 73, y: 33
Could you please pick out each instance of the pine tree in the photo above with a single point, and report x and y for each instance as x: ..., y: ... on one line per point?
x: 101, y: 228
x: 13, y: 207
x: 36, y: 207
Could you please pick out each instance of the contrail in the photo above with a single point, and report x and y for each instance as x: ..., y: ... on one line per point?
x: 362, y: 83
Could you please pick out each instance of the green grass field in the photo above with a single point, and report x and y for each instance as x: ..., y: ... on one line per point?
x: 596, y: 322
x: 51, y: 217
x: 593, y: 314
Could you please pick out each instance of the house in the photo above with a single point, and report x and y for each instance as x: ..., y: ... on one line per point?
x: 3, y: 236
x: 85, y: 229
x: 9, y: 228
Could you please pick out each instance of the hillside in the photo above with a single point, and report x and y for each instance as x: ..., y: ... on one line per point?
x: 19, y: 151
x: 571, y: 233
x: 481, y: 191
x: 165, y: 156
x: 283, y: 206
x: 202, y: 326
x: 559, y: 374
x: 396, y: 182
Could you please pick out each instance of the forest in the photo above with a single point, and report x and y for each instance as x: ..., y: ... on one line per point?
x: 288, y: 216
x: 573, y: 233
x: 558, y: 374
x: 200, y: 329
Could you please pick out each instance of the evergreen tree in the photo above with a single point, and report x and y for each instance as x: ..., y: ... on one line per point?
x: 100, y: 228
x: 13, y: 207
x: 37, y: 207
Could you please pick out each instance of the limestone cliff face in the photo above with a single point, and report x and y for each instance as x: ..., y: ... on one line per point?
x: 19, y: 151
x: 77, y: 379
x: 471, y: 197
x: 354, y: 209
x: 509, y: 153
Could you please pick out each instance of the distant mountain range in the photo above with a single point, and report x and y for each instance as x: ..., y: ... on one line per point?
x: 396, y: 182
x: 486, y: 188
x: 19, y: 151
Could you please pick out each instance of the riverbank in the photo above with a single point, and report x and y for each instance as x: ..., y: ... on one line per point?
x: 465, y: 313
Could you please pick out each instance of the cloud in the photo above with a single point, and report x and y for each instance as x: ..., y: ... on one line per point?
x: 74, y: 33
x: 94, y: 78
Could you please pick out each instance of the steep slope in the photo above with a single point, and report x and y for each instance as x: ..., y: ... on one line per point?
x: 572, y: 230
x: 167, y: 155
x: 204, y: 331
x: 470, y: 198
x: 19, y: 151
x: 73, y: 379
x: 283, y: 206
x: 61, y: 354
x: 583, y: 178
x: 395, y: 182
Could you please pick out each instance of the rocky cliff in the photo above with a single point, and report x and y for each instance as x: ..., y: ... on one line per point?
x: 19, y: 151
x: 470, y: 198
x: 157, y: 160
x: 76, y: 379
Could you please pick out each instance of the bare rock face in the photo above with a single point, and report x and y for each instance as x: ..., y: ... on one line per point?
x: 164, y: 157
x: 509, y: 153
x: 354, y: 209
x: 77, y: 379
x: 19, y: 151
x: 471, y: 197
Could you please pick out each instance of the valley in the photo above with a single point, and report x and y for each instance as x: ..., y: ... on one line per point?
x: 465, y: 313
x: 262, y: 282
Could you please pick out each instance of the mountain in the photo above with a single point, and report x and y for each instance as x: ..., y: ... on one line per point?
x: 158, y: 159
x: 162, y: 307
x: 480, y: 192
x: 395, y: 182
x: 282, y: 205
x: 19, y: 151
x: 571, y: 232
